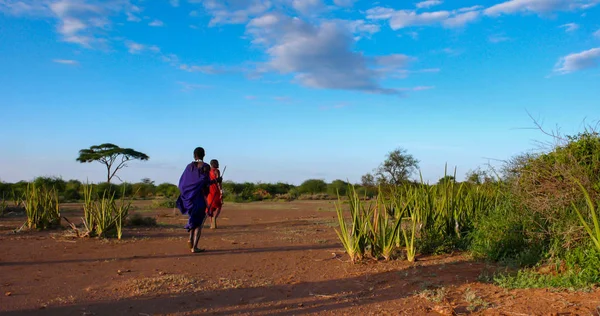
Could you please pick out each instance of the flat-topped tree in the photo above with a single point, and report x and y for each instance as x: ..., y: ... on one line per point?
x: 112, y: 156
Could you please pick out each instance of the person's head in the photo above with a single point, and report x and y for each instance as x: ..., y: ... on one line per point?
x: 199, y: 153
x: 214, y: 163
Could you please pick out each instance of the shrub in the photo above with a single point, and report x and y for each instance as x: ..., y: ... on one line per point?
x: 41, y: 207
x: 168, y: 203
x: 139, y: 220
x: 103, y: 217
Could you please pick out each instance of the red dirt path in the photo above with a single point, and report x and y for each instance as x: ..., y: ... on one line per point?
x: 265, y: 259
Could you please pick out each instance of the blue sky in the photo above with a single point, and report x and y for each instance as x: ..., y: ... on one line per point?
x: 285, y: 90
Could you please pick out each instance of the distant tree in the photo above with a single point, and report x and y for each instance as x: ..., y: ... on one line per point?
x: 445, y: 179
x: 337, y: 187
x: 367, y: 180
x: 147, y: 181
x: 473, y: 177
x: 167, y: 190
x: 112, y: 156
x: 397, y: 167
x: 312, y: 186
x: 479, y: 176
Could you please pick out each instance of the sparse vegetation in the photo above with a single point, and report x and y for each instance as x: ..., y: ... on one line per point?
x: 103, y: 216
x: 539, y: 217
x: 138, y: 220
x: 41, y: 207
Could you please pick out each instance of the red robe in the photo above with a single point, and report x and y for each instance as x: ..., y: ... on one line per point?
x: 214, y: 199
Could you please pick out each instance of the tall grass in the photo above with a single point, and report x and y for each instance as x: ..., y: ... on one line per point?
x: 104, y: 216
x: 595, y: 232
x: 3, y: 205
x: 41, y: 207
x: 419, y: 217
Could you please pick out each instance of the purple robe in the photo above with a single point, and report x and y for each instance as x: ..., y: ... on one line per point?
x: 193, y: 187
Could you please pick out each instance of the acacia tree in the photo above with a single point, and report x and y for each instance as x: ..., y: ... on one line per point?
x: 397, y: 167
x: 112, y: 156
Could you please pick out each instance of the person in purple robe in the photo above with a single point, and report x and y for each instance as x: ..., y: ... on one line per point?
x: 194, y: 187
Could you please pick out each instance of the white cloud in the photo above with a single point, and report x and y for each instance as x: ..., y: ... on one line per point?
x: 570, y: 27
x: 498, y: 39
x: 344, y: 3
x: 461, y: 19
x: 22, y: 8
x: 234, y: 11
x: 308, y: 7
x: 539, y: 6
x: 250, y: 97
x: 393, y: 61
x: 193, y: 86
x: 330, y: 63
x: 136, y: 48
x: 174, y: 3
x: 83, y: 22
x: 578, y: 61
x: 282, y: 98
x: 418, y: 88
x: 399, y: 19
x: 132, y: 18
x: 157, y: 23
x: 194, y: 13
x: 205, y: 69
x: 66, y: 61
x: 428, y: 4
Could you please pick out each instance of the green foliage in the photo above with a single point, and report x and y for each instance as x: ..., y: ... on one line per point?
x: 167, y: 190
x: 41, y: 207
x: 103, y: 216
x: 3, y: 204
x: 580, y: 269
x: 508, y: 236
x: 112, y: 156
x: 337, y: 186
x: 397, y: 167
x: 595, y: 232
x: 312, y: 186
x: 168, y: 203
x: 422, y: 218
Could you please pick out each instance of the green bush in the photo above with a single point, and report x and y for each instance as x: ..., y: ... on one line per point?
x: 168, y: 203
x: 580, y: 269
x: 41, y: 207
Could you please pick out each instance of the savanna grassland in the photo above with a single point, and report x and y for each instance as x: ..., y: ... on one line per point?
x: 523, y: 240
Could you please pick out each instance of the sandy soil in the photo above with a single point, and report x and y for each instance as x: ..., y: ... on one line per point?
x: 265, y: 259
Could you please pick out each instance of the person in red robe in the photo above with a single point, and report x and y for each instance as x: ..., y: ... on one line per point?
x: 215, y: 195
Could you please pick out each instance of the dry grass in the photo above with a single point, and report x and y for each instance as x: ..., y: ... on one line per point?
x: 163, y: 284
x: 179, y: 283
x: 476, y: 303
x: 435, y: 295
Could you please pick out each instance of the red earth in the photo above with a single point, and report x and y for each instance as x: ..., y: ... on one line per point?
x: 267, y: 258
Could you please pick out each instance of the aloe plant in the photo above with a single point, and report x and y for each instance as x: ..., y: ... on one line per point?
x: 595, y: 232
x: 41, y: 207
x: 103, y: 217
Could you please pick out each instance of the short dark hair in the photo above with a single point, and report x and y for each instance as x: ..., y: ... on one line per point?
x: 214, y: 163
x: 199, y: 153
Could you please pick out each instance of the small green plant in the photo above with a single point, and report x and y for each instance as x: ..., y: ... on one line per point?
x: 437, y: 295
x: 475, y: 302
x: 168, y: 203
x: 593, y: 233
x: 3, y: 205
x: 41, y: 207
x: 354, y: 239
x: 103, y: 216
